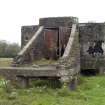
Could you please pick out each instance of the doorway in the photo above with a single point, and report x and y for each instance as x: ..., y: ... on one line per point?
x: 51, y: 40
x: 56, y: 40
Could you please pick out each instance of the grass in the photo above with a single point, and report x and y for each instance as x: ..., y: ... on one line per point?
x: 91, y: 91
x: 43, y: 62
x: 40, y: 62
x: 5, y: 62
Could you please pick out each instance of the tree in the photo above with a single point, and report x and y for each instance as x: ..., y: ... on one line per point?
x: 8, y: 49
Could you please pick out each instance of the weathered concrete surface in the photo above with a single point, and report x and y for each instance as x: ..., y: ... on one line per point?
x: 58, y: 21
x: 27, y: 32
x: 71, y: 61
x: 37, y: 72
x: 21, y: 76
x: 37, y: 50
x: 90, y: 34
x: 70, y: 42
x: 31, y: 41
x: 33, y: 72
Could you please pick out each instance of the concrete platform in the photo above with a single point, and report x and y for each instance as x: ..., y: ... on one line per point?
x: 22, y: 75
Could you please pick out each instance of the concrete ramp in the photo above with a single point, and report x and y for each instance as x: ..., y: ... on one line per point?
x: 70, y: 61
x: 70, y: 42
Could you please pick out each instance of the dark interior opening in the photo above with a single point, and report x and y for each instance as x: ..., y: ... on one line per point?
x: 89, y: 72
x: 62, y: 50
x: 58, y: 45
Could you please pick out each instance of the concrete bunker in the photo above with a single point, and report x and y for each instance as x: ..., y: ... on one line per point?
x: 50, y: 43
x: 75, y: 48
x: 53, y: 39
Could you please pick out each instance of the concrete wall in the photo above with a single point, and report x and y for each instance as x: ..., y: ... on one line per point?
x: 27, y: 32
x: 90, y: 34
x: 36, y: 51
x: 57, y: 21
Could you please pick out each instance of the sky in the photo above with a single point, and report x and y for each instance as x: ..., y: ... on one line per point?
x: 16, y: 13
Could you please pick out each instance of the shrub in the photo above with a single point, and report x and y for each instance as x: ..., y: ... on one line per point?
x: 8, y: 50
x: 6, y: 85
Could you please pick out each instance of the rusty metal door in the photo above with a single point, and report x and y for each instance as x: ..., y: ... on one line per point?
x: 51, y: 40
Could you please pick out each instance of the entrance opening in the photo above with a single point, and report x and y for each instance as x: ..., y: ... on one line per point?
x: 89, y: 72
x: 56, y: 40
x: 51, y: 38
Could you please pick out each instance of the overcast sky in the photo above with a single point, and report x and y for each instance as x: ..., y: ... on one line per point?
x: 16, y: 13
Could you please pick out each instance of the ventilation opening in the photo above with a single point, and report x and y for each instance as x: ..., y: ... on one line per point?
x: 89, y: 72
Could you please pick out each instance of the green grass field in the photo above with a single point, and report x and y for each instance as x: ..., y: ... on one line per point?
x: 90, y: 91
